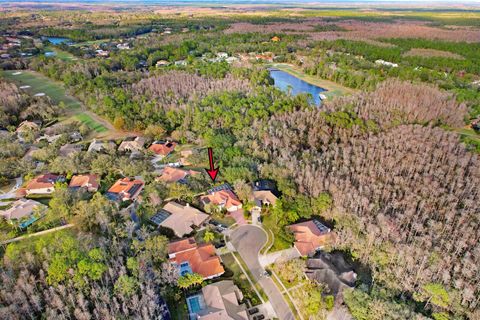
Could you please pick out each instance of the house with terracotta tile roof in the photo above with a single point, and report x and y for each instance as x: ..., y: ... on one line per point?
x: 162, y: 148
x: 88, y: 182
x: 189, y: 257
x: 310, y: 236
x: 171, y: 174
x: 125, y: 189
x: 182, y: 219
x: 219, y: 300
x: 42, y: 184
x: 222, y: 197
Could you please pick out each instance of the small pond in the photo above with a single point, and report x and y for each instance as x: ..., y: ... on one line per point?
x: 57, y: 40
x: 285, y: 81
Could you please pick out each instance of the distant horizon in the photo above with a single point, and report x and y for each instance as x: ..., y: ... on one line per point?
x: 390, y: 3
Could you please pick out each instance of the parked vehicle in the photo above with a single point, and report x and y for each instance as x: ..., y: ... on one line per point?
x: 259, y: 317
x: 252, y: 311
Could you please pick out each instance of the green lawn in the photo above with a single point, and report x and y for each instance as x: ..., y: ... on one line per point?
x: 60, y: 54
x: 91, y: 42
x: 92, y: 124
x: 281, y: 240
x: 41, y: 84
x: 334, y: 89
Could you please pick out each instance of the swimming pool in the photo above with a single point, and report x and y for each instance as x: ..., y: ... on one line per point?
x: 195, y: 304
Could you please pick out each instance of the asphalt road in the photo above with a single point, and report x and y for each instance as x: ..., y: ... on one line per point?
x: 248, y: 240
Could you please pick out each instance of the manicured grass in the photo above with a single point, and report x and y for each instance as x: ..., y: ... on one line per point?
x: 280, y: 242
x: 269, y: 243
x: 240, y: 279
x: 334, y: 89
x: 41, y: 84
x: 92, y: 124
x: 89, y: 43
x: 60, y: 54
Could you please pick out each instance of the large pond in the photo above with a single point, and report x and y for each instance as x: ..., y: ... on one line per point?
x: 285, y: 82
x: 57, y: 40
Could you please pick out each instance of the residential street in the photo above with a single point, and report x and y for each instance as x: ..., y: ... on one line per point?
x: 248, y: 240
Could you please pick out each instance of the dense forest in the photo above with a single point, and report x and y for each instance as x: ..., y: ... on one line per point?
x: 405, y: 194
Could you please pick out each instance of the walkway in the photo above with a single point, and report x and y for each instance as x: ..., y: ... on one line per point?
x: 37, y: 234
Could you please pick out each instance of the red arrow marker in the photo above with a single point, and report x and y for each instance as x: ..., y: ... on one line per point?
x: 212, y: 172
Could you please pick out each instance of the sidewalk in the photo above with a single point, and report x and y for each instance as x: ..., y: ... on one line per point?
x: 37, y: 234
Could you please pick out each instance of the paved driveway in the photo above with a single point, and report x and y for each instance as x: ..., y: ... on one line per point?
x: 248, y: 240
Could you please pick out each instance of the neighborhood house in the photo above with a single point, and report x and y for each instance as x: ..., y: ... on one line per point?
x: 26, y: 126
x: 22, y: 208
x: 132, y: 145
x: 189, y: 257
x: 69, y: 149
x: 218, y: 300
x: 43, y: 184
x: 88, y: 182
x: 222, y: 197
x: 162, y: 148
x: 180, y: 219
x: 310, y: 236
x: 99, y: 146
x: 125, y: 189
x: 171, y: 174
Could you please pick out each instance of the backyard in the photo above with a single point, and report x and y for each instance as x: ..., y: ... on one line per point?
x: 303, y: 295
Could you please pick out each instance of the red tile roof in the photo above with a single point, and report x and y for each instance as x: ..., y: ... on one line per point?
x: 41, y: 182
x: 126, y: 188
x: 89, y: 181
x: 308, y: 237
x: 181, y: 245
x: 171, y: 174
x: 163, y: 149
x: 225, y: 198
x: 201, y: 258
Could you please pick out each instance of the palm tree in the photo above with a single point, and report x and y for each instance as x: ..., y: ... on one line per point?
x: 208, y: 236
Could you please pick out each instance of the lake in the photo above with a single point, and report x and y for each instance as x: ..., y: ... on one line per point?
x: 283, y: 80
x: 57, y: 40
